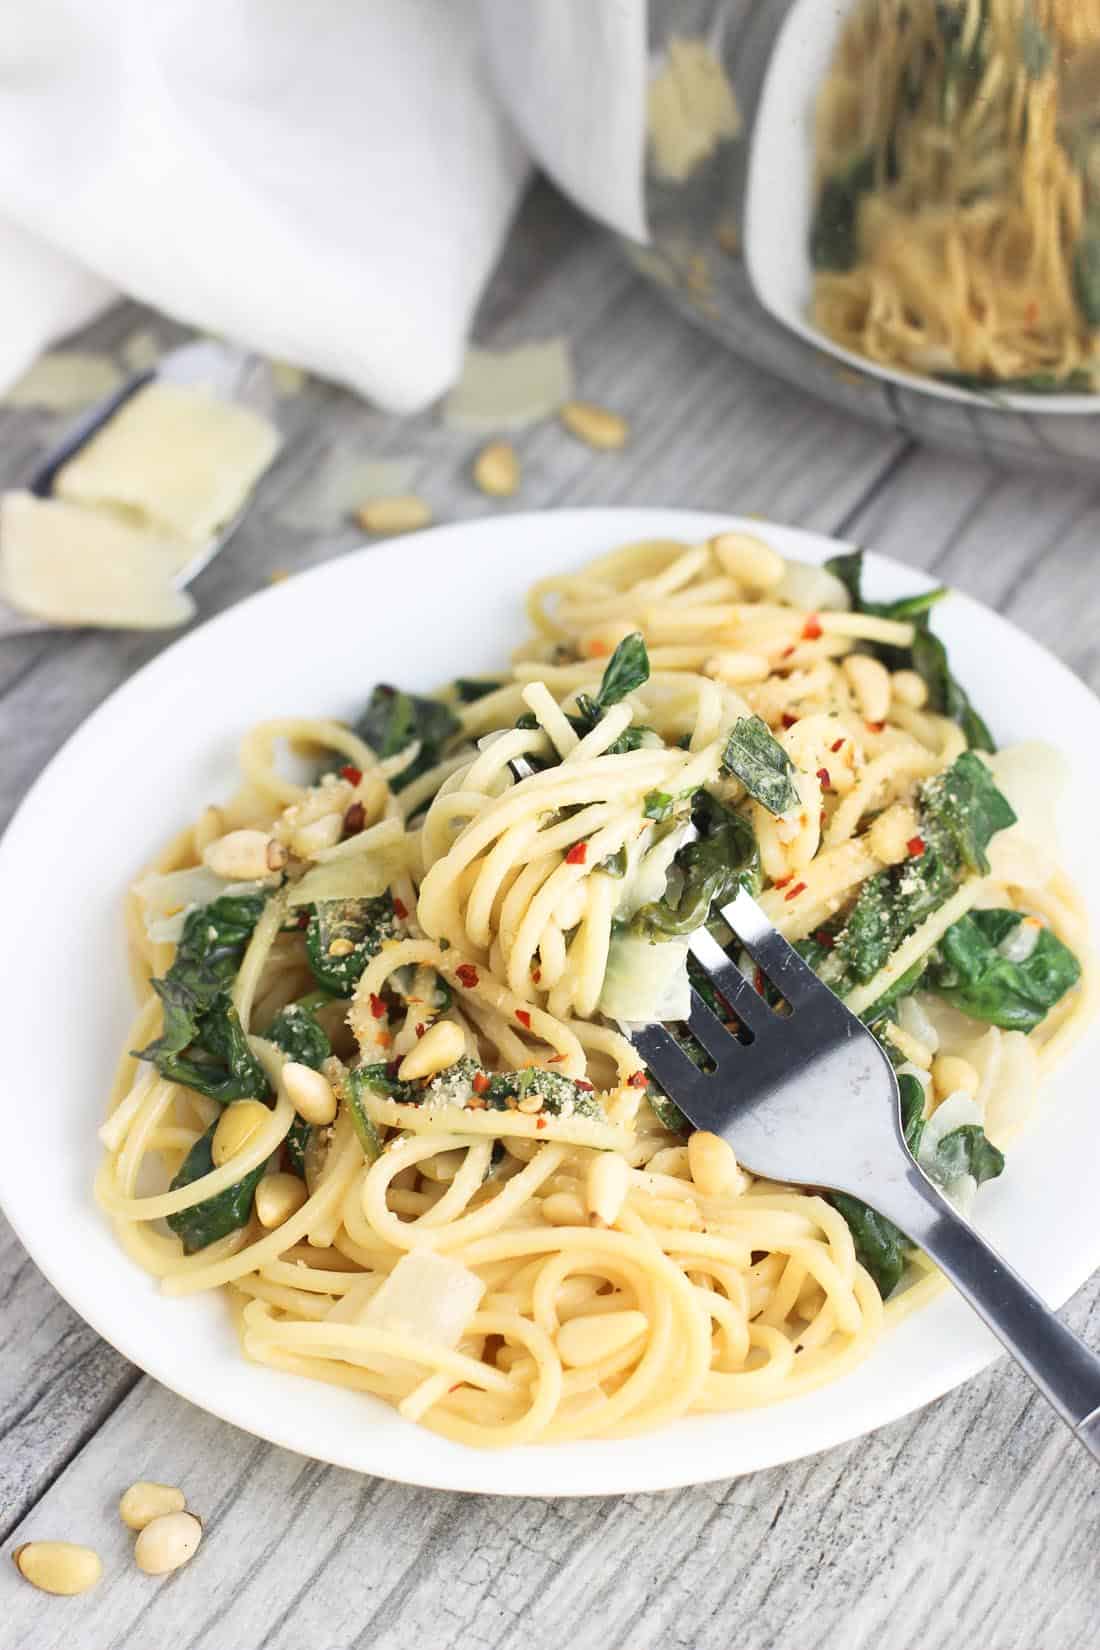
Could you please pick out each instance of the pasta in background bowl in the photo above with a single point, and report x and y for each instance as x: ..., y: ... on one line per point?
x: 511, y: 1023
x: 936, y: 194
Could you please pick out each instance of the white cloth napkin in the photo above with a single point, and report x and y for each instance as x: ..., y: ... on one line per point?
x: 327, y: 182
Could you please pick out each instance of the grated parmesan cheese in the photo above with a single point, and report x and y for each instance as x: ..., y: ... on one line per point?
x: 510, y: 389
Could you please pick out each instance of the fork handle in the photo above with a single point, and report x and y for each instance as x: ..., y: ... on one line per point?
x: 1064, y: 1369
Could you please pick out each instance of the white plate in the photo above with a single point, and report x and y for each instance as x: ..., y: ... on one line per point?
x: 419, y: 611
x: 779, y: 205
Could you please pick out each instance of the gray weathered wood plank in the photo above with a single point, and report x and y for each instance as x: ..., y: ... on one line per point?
x: 970, y: 1523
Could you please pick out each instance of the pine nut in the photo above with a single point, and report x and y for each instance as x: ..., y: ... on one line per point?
x: 244, y: 856
x: 952, y: 1075
x: 749, y: 560
x: 403, y: 513
x: 143, y: 1502
x: 58, y: 1566
x: 596, y: 426
x: 563, y: 1209
x: 604, y: 638
x: 310, y: 1093
x: 588, y: 1340
x: 441, y: 1045
x: 714, y: 1168
x: 909, y: 689
x: 496, y: 470
x: 870, y: 683
x: 278, y: 1196
x: 737, y: 667
x: 891, y: 833
x: 167, y: 1543
x: 605, y: 1188
x: 321, y: 833
x: 236, y: 1126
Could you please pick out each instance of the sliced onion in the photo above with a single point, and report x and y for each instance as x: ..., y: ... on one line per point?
x: 811, y: 588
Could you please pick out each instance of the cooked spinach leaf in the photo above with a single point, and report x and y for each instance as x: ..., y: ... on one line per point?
x: 966, y: 1150
x: 881, y: 1248
x: 761, y: 764
x: 298, y: 1034
x: 369, y: 1138
x: 393, y: 720
x: 706, y: 873
x: 343, y: 935
x: 666, y: 1111
x: 886, y: 1006
x: 215, y: 1217
x: 627, y: 670
x: 1086, y: 270
x: 927, y: 655
x: 218, y: 1061
x: 469, y: 689
x: 960, y: 812
x: 968, y: 970
x: 834, y: 234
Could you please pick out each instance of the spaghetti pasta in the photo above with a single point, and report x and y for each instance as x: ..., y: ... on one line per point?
x: 958, y: 164
x: 458, y: 1250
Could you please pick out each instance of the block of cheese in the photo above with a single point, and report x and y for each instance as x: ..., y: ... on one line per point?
x: 73, y: 566
x: 182, y: 462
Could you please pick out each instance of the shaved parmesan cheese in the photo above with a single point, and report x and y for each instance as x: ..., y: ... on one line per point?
x: 64, y: 381
x: 427, y: 1297
x: 179, y: 460
x: 691, y: 109
x: 811, y: 588
x: 360, y: 876
x: 344, y: 481
x: 509, y: 389
x: 74, y: 566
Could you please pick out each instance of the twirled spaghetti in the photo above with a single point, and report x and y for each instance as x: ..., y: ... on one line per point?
x: 381, y: 1095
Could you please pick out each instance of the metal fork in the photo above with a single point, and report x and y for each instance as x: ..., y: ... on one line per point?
x: 811, y: 1097
x: 227, y: 373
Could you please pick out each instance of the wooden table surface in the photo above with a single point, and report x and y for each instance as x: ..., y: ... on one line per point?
x: 970, y: 1524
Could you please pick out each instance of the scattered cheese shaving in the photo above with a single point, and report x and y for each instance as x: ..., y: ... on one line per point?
x: 73, y: 566
x: 64, y: 381
x: 510, y: 389
x: 428, y: 1297
x: 180, y: 460
x: 691, y: 109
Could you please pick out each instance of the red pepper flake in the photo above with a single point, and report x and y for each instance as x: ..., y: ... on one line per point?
x: 523, y: 1017
x: 821, y: 820
x: 383, y: 1039
x: 420, y: 1030
x: 303, y: 919
x: 466, y: 974
x: 481, y: 1082
x: 874, y: 727
x: 786, y: 653
x: 597, y: 650
x: 353, y: 776
x: 475, y: 1104
x: 536, y: 975
x: 577, y: 854
x: 637, y: 1080
x: 400, y: 909
x: 391, y: 1067
x: 823, y: 775
x: 377, y: 1007
x: 824, y: 939
x: 1031, y: 314
x: 916, y: 846
x: 783, y: 881
x: 555, y: 1060
x: 811, y: 630
x: 759, y: 982
x: 583, y: 1084
x: 540, y: 1122
x: 793, y: 893
x: 838, y: 745
x: 788, y: 720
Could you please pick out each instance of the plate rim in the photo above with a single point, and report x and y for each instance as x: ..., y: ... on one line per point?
x: 622, y: 1467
